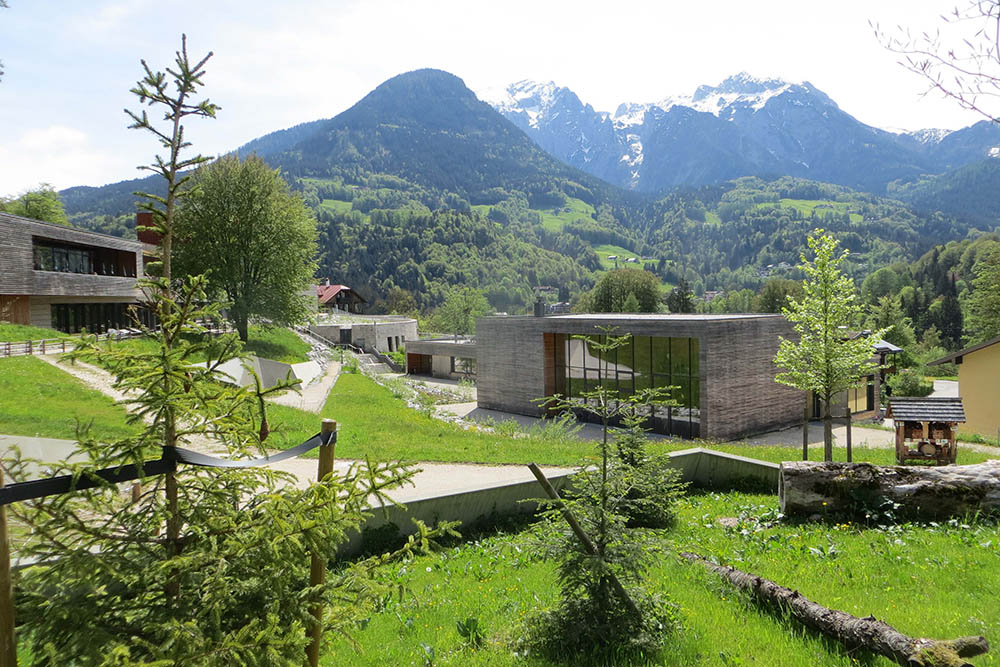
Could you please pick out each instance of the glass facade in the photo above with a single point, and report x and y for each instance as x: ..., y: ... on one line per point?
x: 66, y: 258
x: 98, y: 317
x: 643, y: 362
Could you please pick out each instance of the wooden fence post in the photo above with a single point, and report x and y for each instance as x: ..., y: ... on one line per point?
x: 8, y: 642
x: 805, y: 428
x: 850, y: 453
x: 317, y: 572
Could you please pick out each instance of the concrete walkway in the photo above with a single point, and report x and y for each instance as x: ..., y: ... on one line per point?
x: 432, y: 479
x: 312, y: 397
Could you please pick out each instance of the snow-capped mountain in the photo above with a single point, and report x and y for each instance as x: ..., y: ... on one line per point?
x: 743, y: 126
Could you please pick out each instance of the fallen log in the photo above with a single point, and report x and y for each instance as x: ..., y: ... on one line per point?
x: 807, y: 488
x: 866, y: 633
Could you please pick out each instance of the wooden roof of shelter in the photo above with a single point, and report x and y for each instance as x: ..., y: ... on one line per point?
x: 926, y: 409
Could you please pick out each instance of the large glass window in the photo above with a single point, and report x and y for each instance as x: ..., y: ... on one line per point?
x: 643, y: 362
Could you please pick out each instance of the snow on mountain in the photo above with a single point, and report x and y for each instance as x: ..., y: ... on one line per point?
x: 531, y: 98
x: 929, y: 136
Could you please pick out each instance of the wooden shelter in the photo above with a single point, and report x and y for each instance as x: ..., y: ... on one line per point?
x: 926, y: 427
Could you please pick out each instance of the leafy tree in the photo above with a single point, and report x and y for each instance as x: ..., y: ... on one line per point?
x: 983, y: 322
x: 614, y: 287
x: 253, y: 237
x: 41, y: 203
x: 888, y: 315
x: 400, y: 302
x: 631, y: 304
x: 826, y: 359
x: 459, y: 312
x: 681, y: 299
x: 774, y: 295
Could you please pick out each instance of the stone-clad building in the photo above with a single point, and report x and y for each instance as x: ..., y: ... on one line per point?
x: 721, y: 365
x: 65, y: 278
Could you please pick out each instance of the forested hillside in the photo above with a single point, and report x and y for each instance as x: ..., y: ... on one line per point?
x: 421, y: 186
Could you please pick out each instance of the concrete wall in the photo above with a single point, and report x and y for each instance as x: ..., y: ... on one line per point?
x: 736, y: 371
x: 469, y: 507
x: 700, y: 467
x: 382, y: 334
x: 441, y: 353
x: 977, y: 383
x: 17, y: 274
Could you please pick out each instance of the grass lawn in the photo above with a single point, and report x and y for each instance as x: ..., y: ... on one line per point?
x: 936, y: 581
x: 554, y: 220
x: 16, y: 333
x: 375, y: 422
x: 39, y: 400
x: 271, y: 343
x: 606, y: 249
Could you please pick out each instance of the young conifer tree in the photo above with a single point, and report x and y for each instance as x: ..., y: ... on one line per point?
x: 207, y: 566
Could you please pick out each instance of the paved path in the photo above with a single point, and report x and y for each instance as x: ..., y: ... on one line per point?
x: 432, y: 479
x: 312, y: 397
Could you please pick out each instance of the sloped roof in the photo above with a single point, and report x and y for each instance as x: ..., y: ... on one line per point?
x: 926, y: 409
x: 954, y: 356
x: 327, y: 292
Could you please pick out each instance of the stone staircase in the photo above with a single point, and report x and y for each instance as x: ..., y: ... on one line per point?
x: 369, y: 363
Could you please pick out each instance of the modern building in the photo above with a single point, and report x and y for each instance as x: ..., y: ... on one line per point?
x: 721, y: 366
x: 65, y: 278
x: 979, y: 386
x: 372, y: 333
x: 453, y: 358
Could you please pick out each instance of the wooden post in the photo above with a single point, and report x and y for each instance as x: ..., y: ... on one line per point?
x: 805, y: 428
x: 317, y: 572
x: 848, y: 422
x: 8, y: 642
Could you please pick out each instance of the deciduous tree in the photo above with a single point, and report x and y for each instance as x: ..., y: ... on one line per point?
x: 826, y: 359
x: 253, y: 237
x: 614, y: 287
x: 460, y: 310
x: 41, y: 203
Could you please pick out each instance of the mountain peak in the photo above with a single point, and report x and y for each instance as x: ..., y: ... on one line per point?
x: 741, y: 84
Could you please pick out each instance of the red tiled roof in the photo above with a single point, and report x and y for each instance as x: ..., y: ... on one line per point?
x: 327, y: 292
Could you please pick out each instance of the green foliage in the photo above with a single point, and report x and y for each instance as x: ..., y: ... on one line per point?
x: 910, y: 382
x: 254, y: 239
x: 887, y: 315
x: 226, y: 582
x: 459, y: 312
x: 604, y: 606
x: 774, y: 296
x: 681, y: 299
x: 172, y: 92
x: 825, y: 360
x: 41, y: 203
x: 983, y: 321
x: 613, y: 289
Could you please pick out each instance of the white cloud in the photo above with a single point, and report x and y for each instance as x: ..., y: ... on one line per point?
x: 58, y: 154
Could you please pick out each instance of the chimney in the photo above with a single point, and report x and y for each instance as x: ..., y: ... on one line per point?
x: 539, y: 307
x: 326, y: 282
x: 145, y: 219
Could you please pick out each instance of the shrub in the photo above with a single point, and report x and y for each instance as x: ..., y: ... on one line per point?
x: 910, y: 382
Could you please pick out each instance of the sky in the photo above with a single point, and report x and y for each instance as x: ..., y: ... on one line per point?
x: 70, y: 64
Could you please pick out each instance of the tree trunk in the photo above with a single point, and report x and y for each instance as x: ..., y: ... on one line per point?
x: 805, y: 428
x: 866, y: 633
x: 241, y: 324
x: 855, y: 489
x: 827, y: 431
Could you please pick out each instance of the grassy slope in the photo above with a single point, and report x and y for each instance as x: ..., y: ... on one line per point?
x: 807, y: 207
x: 925, y: 581
x: 37, y: 399
x: 575, y: 209
x: 16, y: 333
x: 277, y: 343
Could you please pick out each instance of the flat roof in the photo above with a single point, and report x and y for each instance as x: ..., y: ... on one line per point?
x: 78, y: 230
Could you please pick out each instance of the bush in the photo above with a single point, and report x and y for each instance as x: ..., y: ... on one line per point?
x: 910, y: 382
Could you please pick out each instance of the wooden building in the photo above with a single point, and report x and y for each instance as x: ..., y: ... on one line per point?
x: 64, y: 278
x: 340, y: 297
